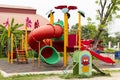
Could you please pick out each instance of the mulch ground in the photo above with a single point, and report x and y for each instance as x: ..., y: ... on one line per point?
x: 23, y: 67
x: 30, y: 67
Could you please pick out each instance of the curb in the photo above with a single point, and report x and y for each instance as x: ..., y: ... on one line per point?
x: 4, y: 74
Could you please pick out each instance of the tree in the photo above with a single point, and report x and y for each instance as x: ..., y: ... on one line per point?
x: 108, y: 9
x: 88, y: 31
x: 14, y: 30
x: 112, y: 40
x: 117, y: 34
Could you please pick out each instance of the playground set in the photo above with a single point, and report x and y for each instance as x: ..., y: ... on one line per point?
x: 49, y: 40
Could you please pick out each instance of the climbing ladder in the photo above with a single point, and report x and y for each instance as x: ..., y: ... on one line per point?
x: 21, y: 56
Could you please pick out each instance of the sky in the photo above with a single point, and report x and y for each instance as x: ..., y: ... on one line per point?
x: 43, y: 6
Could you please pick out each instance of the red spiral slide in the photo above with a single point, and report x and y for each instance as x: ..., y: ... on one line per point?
x: 38, y: 39
x: 44, y: 32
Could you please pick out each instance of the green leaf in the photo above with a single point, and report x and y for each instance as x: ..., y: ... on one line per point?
x: 118, y: 2
x: 3, y: 37
x: 12, y: 22
x: 96, y: 1
x: 2, y: 26
x: 117, y: 16
x: 14, y: 27
x: 89, y: 19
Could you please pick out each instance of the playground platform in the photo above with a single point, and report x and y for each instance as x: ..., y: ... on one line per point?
x: 8, y: 69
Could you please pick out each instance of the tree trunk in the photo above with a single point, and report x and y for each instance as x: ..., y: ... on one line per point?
x: 96, y: 40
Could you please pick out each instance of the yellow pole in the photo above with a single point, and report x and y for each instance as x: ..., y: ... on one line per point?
x: 51, y: 22
x: 26, y: 44
x: 66, y: 29
x: 65, y: 39
x: 11, y: 48
x: 79, y: 30
x: 8, y: 46
x: 51, y: 18
x: 39, y: 54
x: 76, y: 38
x: 22, y: 43
x: 8, y: 30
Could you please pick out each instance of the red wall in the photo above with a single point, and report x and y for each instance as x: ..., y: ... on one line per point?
x: 17, y: 10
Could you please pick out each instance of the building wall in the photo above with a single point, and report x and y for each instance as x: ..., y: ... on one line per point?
x: 20, y: 14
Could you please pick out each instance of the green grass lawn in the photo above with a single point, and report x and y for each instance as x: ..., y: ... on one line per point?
x: 25, y: 77
x: 43, y: 76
